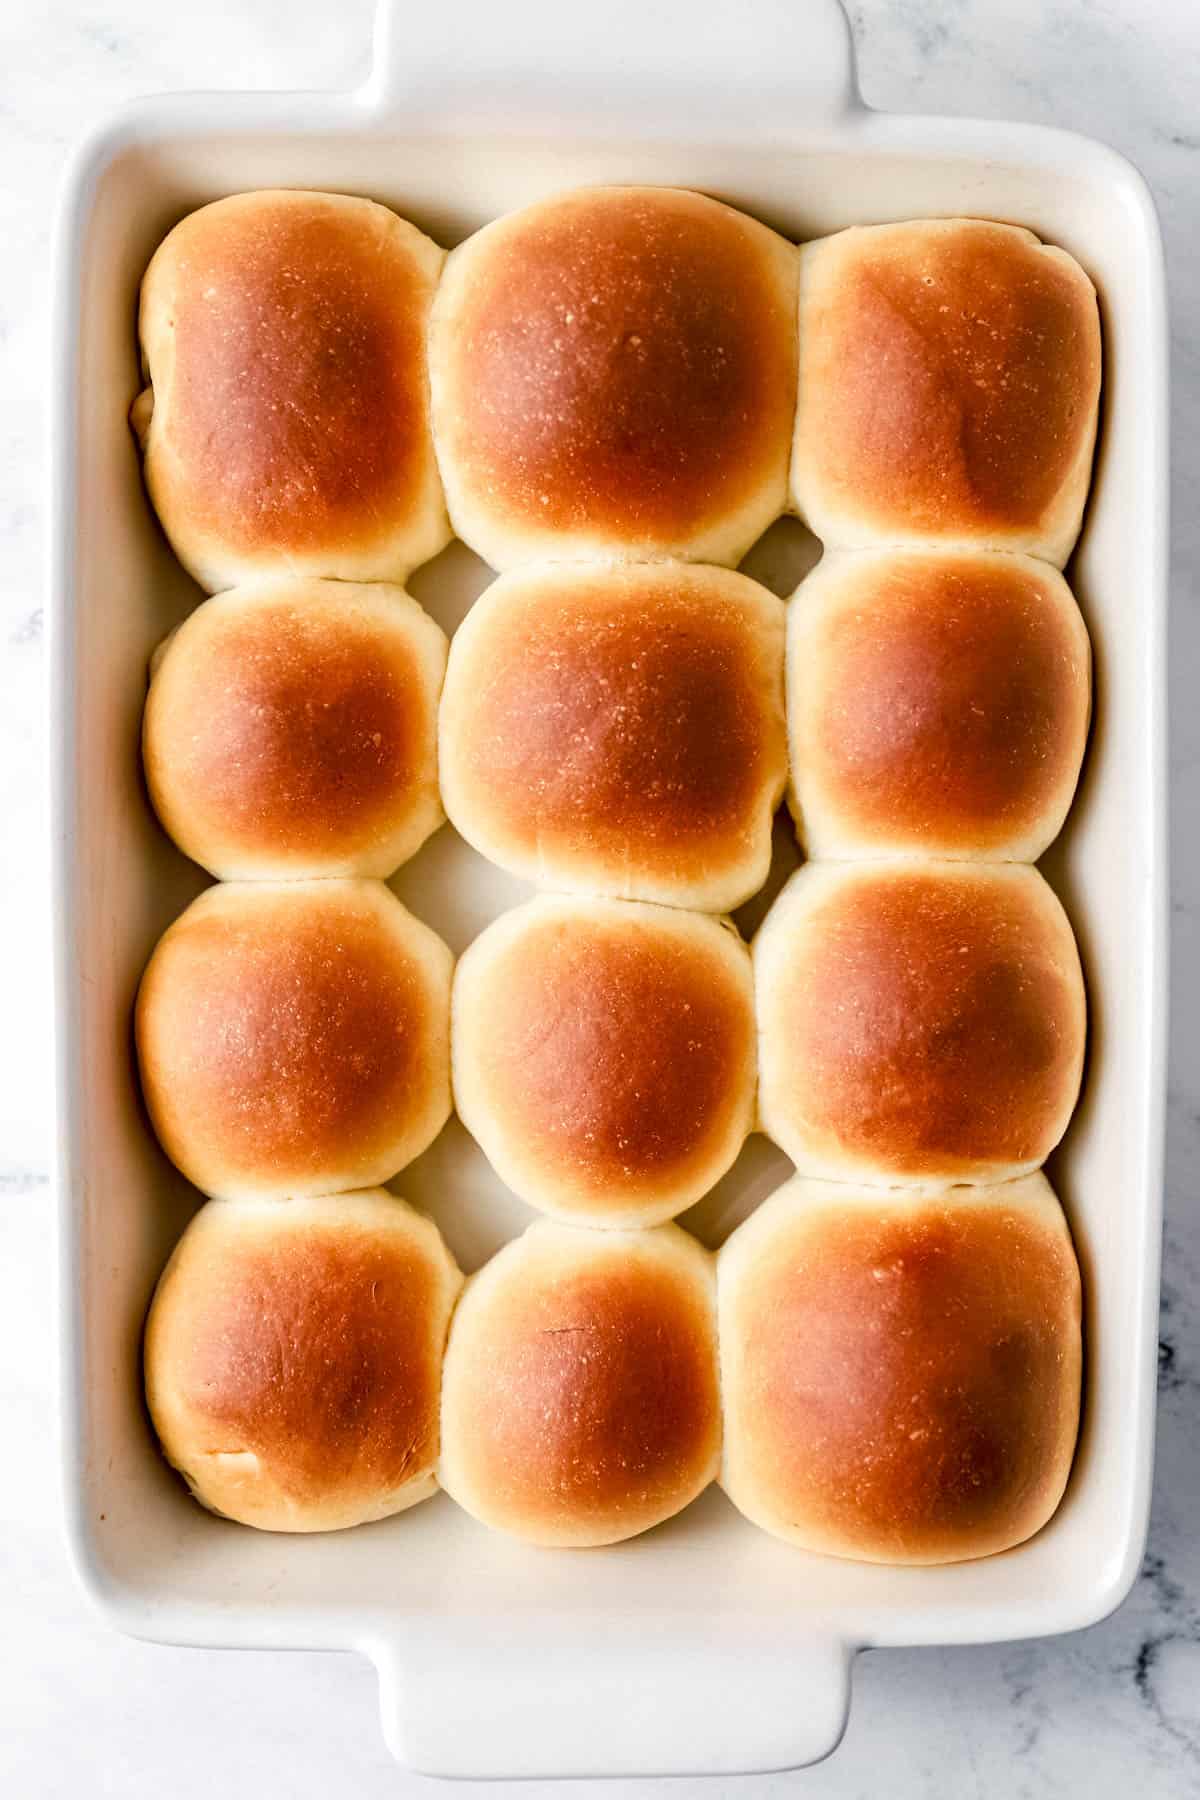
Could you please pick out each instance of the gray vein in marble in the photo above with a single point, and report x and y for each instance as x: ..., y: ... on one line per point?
x: 14, y: 1182
x: 29, y: 629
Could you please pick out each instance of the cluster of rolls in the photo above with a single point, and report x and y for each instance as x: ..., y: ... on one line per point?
x: 598, y: 394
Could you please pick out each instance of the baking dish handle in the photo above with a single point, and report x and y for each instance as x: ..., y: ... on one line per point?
x: 507, y: 1701
x: 657, y: 68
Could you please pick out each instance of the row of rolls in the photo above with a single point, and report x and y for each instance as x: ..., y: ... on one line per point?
x: 889, y: 1376
x: 599, y: 396
x: 894, y: 1023
x: 636, y: 373
x: 621, y: 729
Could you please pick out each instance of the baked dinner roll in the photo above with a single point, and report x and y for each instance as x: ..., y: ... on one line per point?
x: 937, y: 702
x: 604, y: 1055
x: 949, y: 381
x: 293, y: 1038
x: 613, y: 374
x: 286, y: 425
x: 293, y: 1358
x: 580, y: 1401
x: 291, y: 729
x: 620, y: 730
x: 918, y: 1021
x: 901, y: 1373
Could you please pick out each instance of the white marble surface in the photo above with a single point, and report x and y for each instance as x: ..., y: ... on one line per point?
x: 1112, y: 1711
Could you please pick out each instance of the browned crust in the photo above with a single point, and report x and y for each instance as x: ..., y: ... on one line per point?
x: 949, y: 379
x: 610, y: 1050
x: 584, y: 1402
x: 317, y: 1356
x: 623, y: 363
x: 296, y: 725
x: 926, y: 1021
x: 940, y: 702
x: 620, y: 723
x: 907, y: 1382
x: 293, y: 1358
x: 293, y: 418
x: 290, y: 1035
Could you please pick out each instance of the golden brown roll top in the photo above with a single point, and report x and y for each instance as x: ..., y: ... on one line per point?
x: 901, y: 1373
x: 286, y: 427
x: 937, y: 702
x: 949, y: 384
x: 620, y: 730
x: 918, y: 1021
x: 293, y: 1038
x: 291, y: 730
x: 293, y: 1358
x: 580, y: 1398
x: 604, y: 1055
x: 613, y: 374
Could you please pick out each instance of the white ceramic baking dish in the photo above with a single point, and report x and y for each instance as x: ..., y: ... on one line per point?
x: 703, y: 1646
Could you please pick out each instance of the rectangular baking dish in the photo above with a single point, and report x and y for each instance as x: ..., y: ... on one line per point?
x: 703, y: 1646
